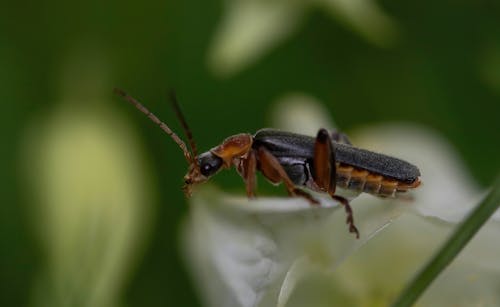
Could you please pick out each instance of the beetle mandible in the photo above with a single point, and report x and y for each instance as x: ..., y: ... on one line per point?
x: 319, y: 163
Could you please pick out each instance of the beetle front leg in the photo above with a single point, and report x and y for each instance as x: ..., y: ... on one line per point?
x: 325, y: 173
x: 247, y: 168
x: 274, y: 171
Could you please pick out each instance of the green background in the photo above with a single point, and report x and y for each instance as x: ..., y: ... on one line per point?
x: 443, y: 73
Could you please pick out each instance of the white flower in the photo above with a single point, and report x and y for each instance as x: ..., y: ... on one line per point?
x: 282, y: 252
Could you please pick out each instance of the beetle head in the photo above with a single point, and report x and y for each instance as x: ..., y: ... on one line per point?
x: 207, y: 164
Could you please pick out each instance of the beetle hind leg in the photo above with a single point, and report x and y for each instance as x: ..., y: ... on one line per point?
x: 325, y: 173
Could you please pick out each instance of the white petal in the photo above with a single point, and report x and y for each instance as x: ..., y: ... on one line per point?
x: 378, y: 272
x: 245, y: 248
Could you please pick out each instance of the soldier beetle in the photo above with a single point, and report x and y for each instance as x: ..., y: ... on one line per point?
x: 318, y: 163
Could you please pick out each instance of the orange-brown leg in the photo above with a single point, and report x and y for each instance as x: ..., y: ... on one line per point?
x: 325, y: 173
x: 272, y: 170
x: 249, y: 166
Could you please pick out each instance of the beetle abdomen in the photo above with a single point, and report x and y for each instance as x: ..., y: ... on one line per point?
x: 356, y: 179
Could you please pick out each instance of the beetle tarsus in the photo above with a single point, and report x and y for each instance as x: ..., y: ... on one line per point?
x: 350, y: 216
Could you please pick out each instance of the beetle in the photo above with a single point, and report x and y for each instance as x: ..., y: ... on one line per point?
x: 318, y: 163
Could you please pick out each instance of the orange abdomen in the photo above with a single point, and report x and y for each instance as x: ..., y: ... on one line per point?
x: 352, y: 178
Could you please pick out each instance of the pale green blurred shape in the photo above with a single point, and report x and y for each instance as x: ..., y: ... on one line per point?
x: 250, y: 28
x: 90, y: 189
x: 300, y: 113
x: 364, y: 17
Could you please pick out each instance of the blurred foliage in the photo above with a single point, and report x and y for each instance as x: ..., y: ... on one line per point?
x: 441, y: 72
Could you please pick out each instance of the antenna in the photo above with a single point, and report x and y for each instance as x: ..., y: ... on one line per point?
x: 162, y: 125
x: 185, y: 126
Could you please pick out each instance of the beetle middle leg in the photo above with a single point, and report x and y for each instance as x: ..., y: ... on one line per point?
x: 325, y: 173
x: 274, y: 171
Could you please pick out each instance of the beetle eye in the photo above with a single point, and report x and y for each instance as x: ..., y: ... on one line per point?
x: 205, y: 169
x: 209, y: 164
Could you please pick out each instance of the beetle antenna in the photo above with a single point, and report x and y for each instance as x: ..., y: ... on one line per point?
x: 185, y: 126
x: 157, y: 121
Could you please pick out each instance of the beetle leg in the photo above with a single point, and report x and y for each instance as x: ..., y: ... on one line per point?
x: 249, y: 165
x: 340, y: 137
x: 325, y: 173
x: 272, y: 170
